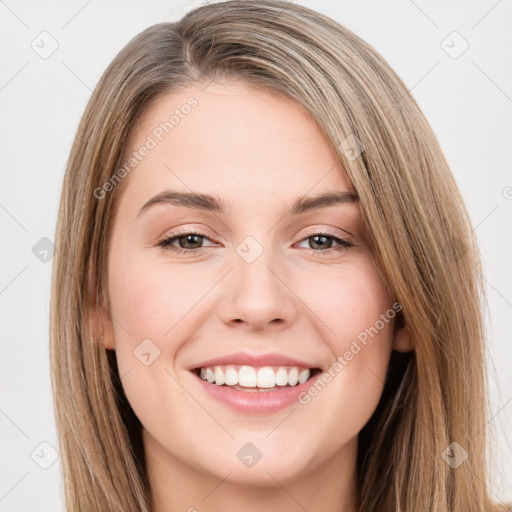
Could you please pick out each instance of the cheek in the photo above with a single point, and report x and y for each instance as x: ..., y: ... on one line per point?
x: 357, y: 318
x: 156, y: 310
x: 150, y: 302
x: 349, y: 301
x: 148, y: 310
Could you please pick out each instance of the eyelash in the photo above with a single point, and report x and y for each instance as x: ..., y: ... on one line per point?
x: 165, y: 243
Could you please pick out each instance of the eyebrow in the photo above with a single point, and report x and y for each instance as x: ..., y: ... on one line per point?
x: 213, y: 203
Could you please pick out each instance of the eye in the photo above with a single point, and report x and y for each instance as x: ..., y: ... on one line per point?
x: 322, y: 242
x: 191, y: 240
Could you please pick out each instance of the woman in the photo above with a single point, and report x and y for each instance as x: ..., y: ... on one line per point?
x: 266, y: 290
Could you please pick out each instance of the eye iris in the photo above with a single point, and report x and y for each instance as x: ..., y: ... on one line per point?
x: 321, y: 242
x: 315, y: 239
x: 190, y: 239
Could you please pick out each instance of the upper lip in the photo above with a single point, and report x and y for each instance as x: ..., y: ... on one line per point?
x: 257, y: 360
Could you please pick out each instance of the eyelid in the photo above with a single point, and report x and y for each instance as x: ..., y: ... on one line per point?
x: 341, y: 240
x: 311, y: 232
x: 331, y: 232
x: 175, y: 233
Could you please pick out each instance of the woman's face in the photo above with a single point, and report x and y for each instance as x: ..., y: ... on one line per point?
x: 293, y: 286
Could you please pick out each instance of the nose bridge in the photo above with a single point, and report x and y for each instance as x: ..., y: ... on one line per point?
x: 253, y: 270
x: 253, y: 265
x: 257, y: 294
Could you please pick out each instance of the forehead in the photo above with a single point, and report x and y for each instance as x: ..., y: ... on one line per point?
x: 235, y: 140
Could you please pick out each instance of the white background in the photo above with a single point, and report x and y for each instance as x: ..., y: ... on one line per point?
x: 467, y: 100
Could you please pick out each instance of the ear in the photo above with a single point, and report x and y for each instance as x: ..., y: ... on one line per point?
x: 100, y: 322
x: 401, y: 339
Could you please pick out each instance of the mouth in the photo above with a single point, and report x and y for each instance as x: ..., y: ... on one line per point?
x: 247, y: 378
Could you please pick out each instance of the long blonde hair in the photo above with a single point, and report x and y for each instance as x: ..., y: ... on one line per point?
x: 420, y: 235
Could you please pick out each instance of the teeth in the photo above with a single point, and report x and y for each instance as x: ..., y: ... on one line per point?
x: 293, y: 376
x: 246, y: 377
x: 304, y: 376
x: 249, y: 377
x: 266, y: 378
x: 231, y: 377
x: 219, y: 376
x: 282, y: 377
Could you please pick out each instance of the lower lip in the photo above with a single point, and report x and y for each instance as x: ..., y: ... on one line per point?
x: 256, y: 402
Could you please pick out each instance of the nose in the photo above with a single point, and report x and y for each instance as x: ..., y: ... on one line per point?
x: 259, y: 295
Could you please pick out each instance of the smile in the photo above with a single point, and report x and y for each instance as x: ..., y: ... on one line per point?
x: 250, y: 378
x: 249, y: 395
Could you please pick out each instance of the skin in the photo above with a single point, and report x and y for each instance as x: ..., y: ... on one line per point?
x: 259, y: 152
